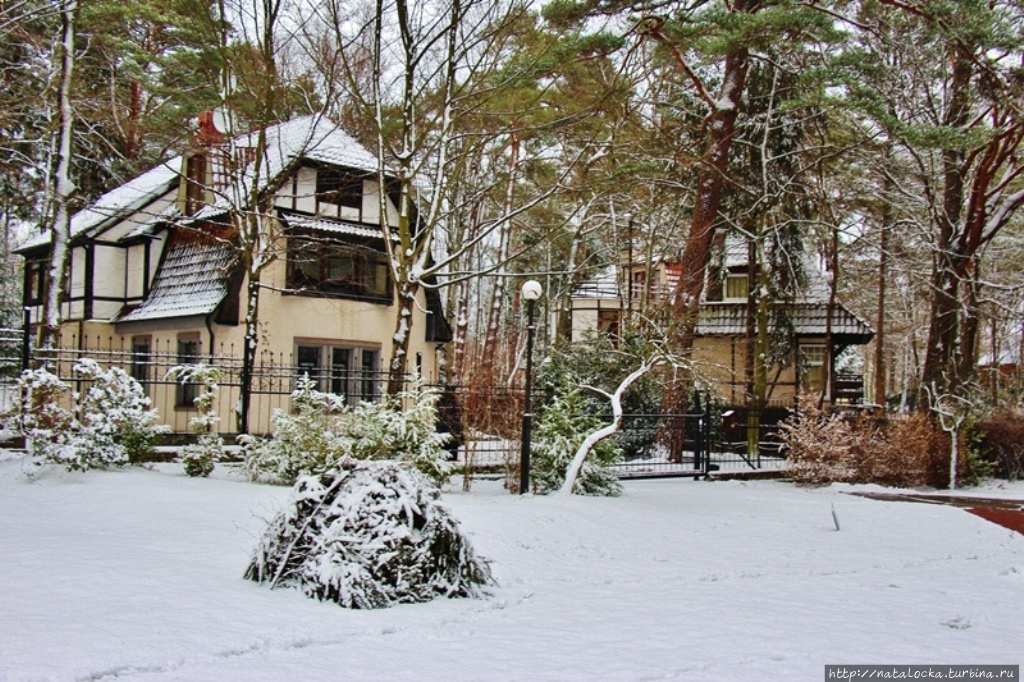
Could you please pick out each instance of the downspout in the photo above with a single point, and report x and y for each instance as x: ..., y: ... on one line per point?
x: 209, y: 328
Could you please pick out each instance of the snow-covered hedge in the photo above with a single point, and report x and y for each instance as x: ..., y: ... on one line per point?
x: 323, y: 431
x: 304, y: 441
x: 368, y: 535
x: 111, y: 424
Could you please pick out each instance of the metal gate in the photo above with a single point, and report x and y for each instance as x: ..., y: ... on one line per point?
x: 665, y: 445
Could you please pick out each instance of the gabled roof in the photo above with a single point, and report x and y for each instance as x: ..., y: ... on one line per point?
x: 808, y: 319
x: 118, y: 203
x: 313, y: 137
x: 192, y: 280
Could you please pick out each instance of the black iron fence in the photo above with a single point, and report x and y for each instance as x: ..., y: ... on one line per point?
x: 485, y: 422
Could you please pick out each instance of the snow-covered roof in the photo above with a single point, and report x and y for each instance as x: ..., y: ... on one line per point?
x: 151, y: 226
x: 311, y: 137
x: 329, y: 225
x: 119, y: 202
x: 808, y: 319
x: 602, y: 285
x: 809, y: 312
x: 192, y: 280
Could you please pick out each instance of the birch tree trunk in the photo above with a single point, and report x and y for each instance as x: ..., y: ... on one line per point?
x: 60, y: 230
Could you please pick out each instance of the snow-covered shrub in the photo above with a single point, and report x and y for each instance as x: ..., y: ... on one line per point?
x: 562, y: 428
x: 304, y: 442
x: 118, y: 422
x: 40, y: 412
x: 820, y: 445
x: 368, y: 535
x: 386, y: 431
x: 200, y: 457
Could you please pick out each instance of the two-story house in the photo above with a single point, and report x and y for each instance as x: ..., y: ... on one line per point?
x: 599, y: 306
x: 155, y: 264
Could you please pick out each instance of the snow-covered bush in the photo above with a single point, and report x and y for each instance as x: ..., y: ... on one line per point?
x: 562, y: 428
x: 118, y: 422
x: 114, y: 426
x: 368, y: 535
x: 40, y: 412
x: 304, y: 442
x: 386, y: 431
x: 323, y: 431
x: 200, y: 457
x: 820, y: 445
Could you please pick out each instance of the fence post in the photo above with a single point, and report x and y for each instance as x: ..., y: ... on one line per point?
x: 698, y: 438
x: 26, y: 340
x: 707, y: 436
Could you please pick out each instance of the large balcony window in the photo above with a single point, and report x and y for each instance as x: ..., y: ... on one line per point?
x: 322, y: 266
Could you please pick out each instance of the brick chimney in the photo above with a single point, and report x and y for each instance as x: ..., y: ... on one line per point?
x: 208, y: 135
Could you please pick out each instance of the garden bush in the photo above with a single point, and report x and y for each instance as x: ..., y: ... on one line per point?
x: 894, y: 450
x: 564, y: 425
x: 1001, y: 442
x: 200, y: 458
x: 114, y: 424
x: 118, y: 423
x: 368, y: 535
x: 323, y: 431
x: 819, y: 445
x: 304, y: 441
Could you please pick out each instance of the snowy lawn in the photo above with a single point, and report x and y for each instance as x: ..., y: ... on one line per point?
x: 136, y: 574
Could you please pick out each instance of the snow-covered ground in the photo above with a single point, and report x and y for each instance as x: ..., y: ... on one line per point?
x: 136, y: 574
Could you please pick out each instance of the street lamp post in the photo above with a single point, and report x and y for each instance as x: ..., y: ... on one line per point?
x: 531, y: 291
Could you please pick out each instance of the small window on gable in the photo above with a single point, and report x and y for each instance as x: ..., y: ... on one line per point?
x: 340, y: 189
x: 736, y: 287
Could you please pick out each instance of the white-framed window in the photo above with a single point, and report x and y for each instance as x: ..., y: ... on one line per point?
x: 736, y: 287
x: 812, y: 359
x: 347, y: 370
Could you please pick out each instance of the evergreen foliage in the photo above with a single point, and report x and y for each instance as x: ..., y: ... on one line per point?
x: 114, y: 424
x: 368, y: 535
x: 323, y: 432
x: 117, y: 415
x: 305, y: 441
x: 199, y: 458
x: 562, y: 428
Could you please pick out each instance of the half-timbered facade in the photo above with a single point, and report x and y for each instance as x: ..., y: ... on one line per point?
x: 158, y: 263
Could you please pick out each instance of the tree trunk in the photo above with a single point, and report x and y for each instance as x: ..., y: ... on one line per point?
x: 943, y: 327
x: 60, y: 230
x: 883, y: 275
x: 720, y: 126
